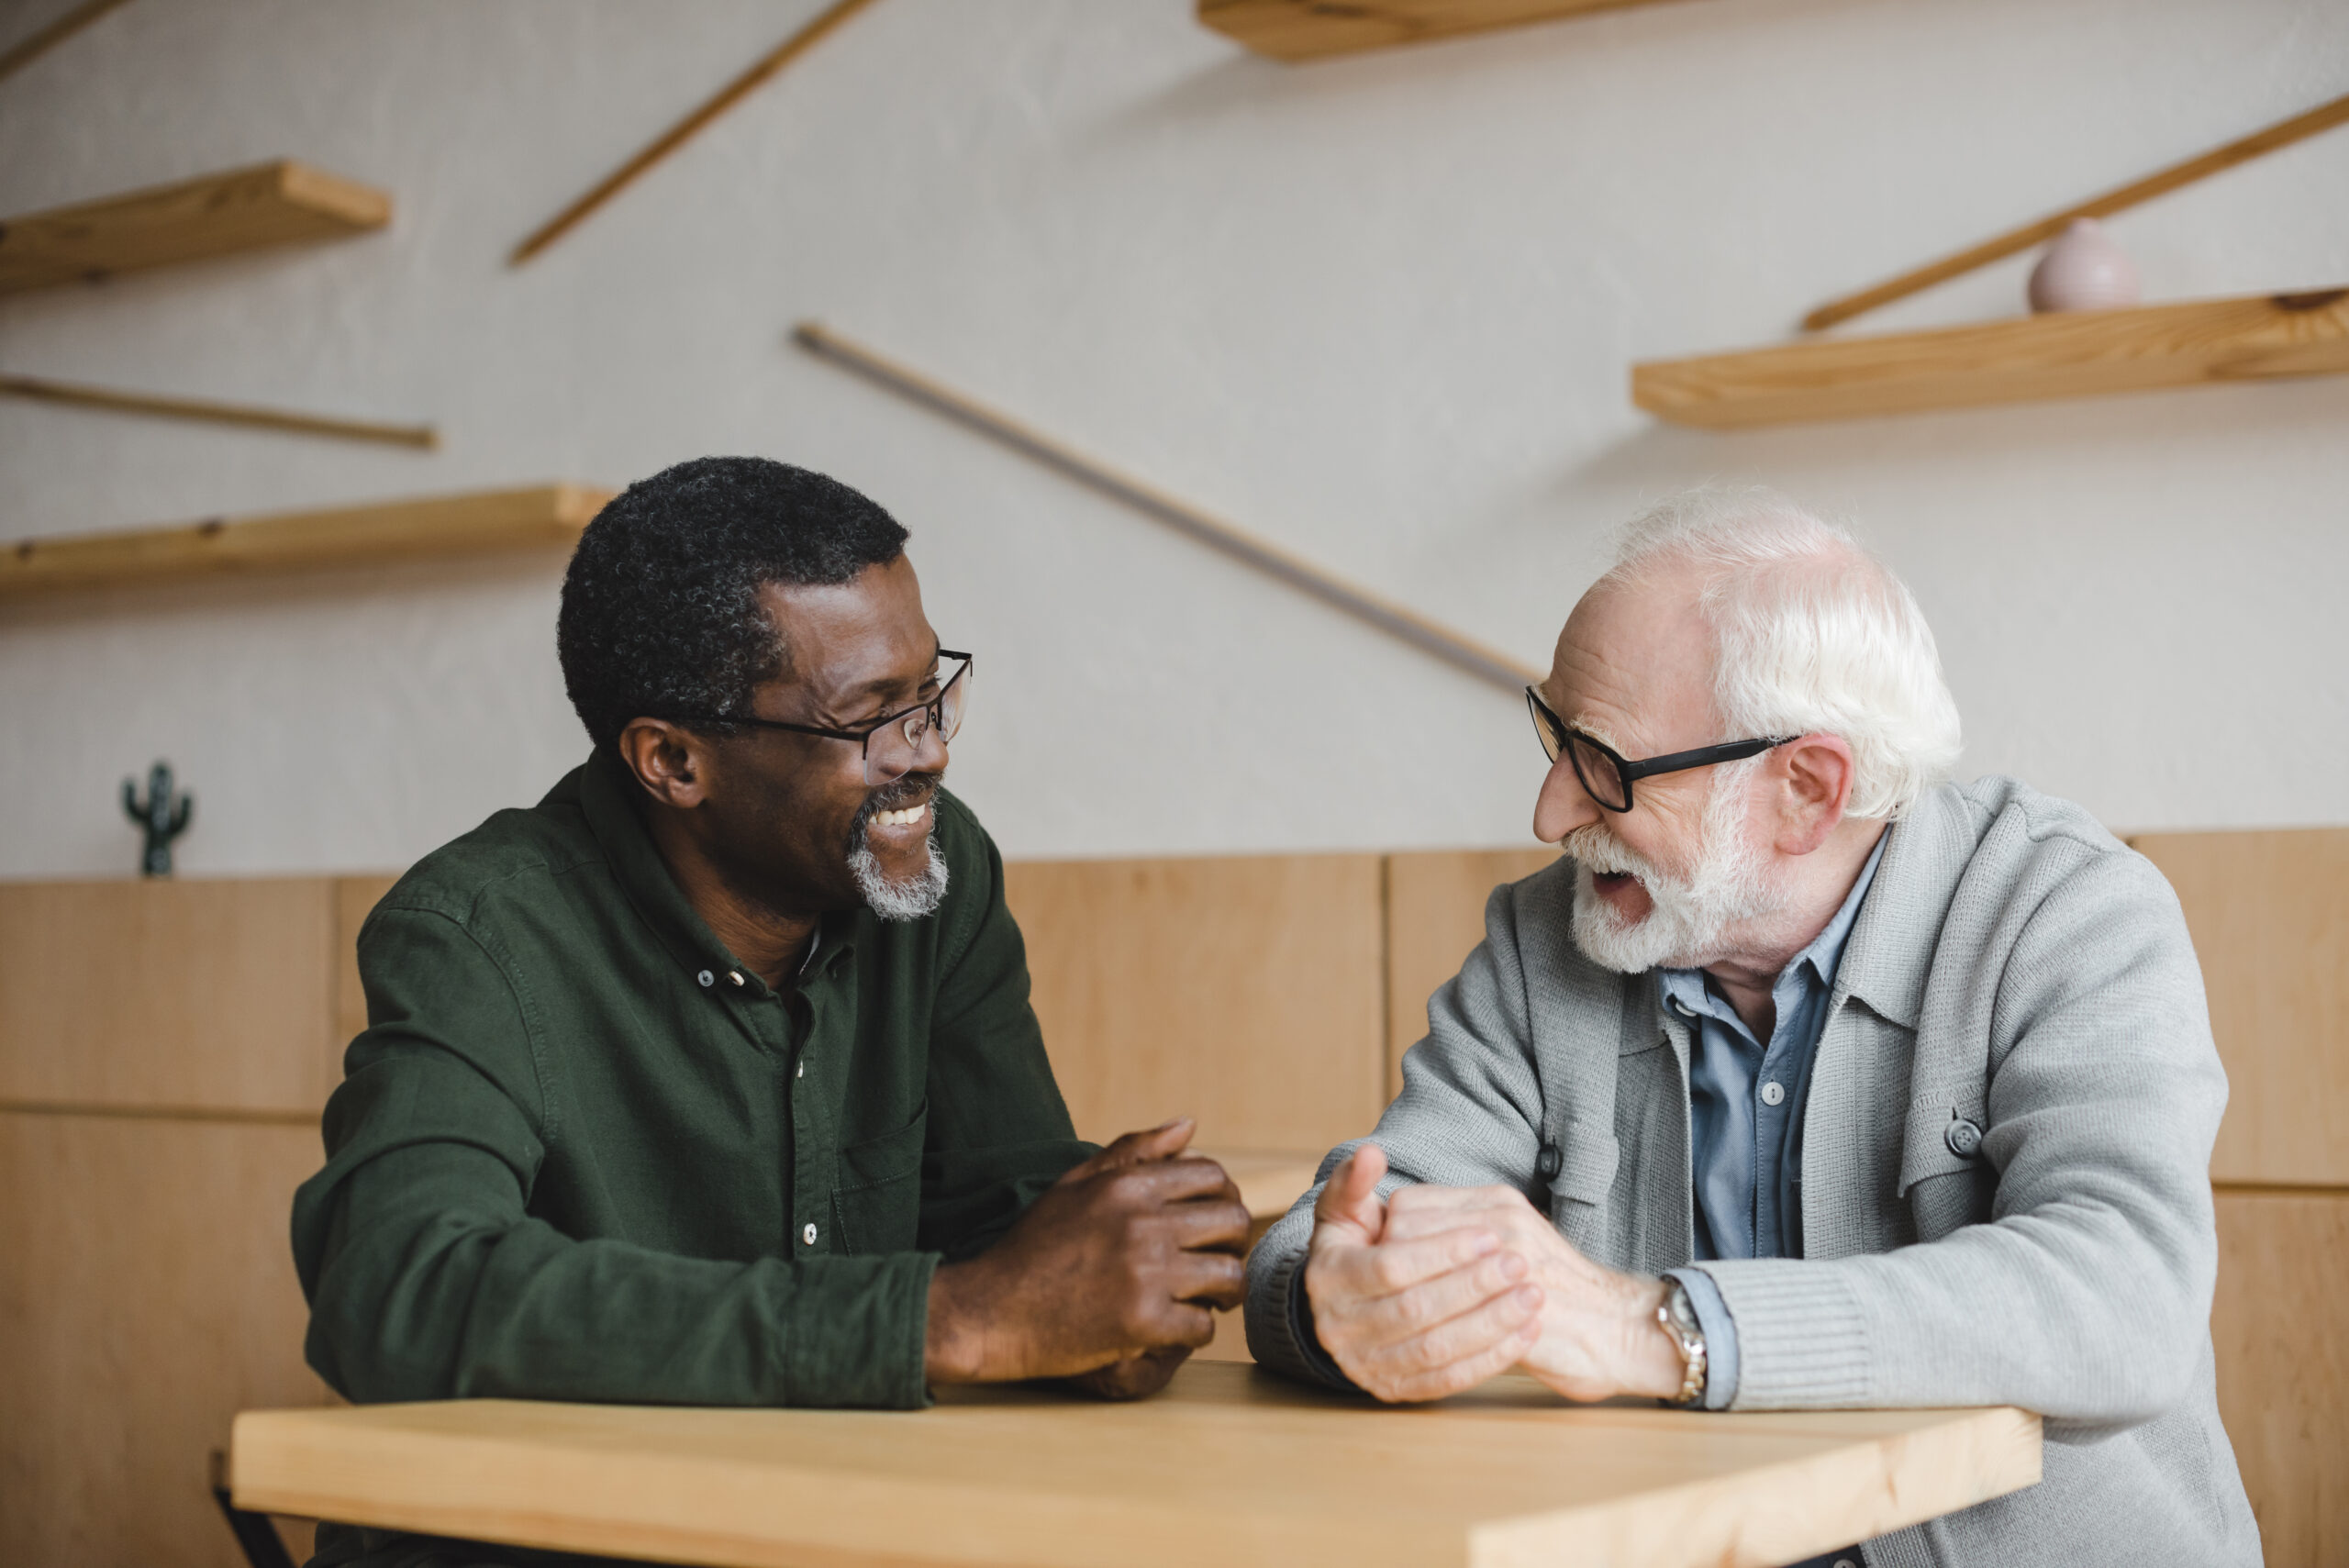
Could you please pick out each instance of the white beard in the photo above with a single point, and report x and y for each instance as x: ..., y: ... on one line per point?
x: 910, y: 899
x: 1691, y: 915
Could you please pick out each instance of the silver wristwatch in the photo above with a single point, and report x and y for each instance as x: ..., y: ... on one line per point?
x: 1677, y: 1318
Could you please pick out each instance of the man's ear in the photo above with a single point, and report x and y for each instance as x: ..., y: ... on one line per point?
x: 1815, y: 776
x: 670, y: 761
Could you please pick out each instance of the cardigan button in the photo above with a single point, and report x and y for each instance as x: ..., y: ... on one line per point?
x: 1964, y: 1137
x: 809, y: 1235
x: 707, y: 979
x: 1549, y: 1162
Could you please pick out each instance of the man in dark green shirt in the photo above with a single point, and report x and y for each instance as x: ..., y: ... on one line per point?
x: 712, y: 1079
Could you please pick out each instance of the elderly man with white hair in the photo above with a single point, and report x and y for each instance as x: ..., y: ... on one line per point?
x: 1803, y: 1079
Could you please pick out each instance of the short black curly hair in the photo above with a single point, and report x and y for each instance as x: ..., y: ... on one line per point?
x: 660, y: 613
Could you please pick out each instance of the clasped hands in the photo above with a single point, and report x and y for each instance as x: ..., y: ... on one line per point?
x: 1108, y: 1280
x: 1438, y: 1289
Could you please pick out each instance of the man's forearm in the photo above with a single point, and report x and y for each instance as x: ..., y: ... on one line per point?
x: 438, y: 1310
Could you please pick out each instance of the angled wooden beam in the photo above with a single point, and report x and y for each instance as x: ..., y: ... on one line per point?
x: 2080, y: 354
x: 677, y: 135
x: 281, y: 203
x: 40, y: 389
x: 438, y: 526
x: 1395, y: 621
x: 57, y: 32
x: 2283, y: 133
x: 1298, y: 31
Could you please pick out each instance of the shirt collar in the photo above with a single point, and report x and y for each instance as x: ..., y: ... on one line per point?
x: 1891, y: 952
x: 608, y: 795
x: 1825, y: 954
x: 1821, y: 957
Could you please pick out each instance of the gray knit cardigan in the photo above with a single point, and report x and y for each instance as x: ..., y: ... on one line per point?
x: 2015, y: 966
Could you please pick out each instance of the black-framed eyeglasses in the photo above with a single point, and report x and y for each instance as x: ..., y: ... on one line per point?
x: 1607, y: 775
x: 891, y: 742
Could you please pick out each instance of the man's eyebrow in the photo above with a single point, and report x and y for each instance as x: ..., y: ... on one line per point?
x: 880, y: 685
x: 1597, y: 732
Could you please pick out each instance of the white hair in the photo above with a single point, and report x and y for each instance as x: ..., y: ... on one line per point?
x: 1811, y: 635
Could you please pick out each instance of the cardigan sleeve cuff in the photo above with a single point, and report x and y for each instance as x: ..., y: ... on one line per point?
x: 1801, y: 1337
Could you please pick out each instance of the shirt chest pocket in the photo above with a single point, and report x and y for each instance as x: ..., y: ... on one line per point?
x: 877, y: 1190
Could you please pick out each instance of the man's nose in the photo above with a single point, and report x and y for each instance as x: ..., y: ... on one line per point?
x: 1563, y: 806
x: 930, y: 754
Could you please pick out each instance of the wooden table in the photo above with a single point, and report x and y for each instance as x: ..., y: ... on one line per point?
x: 1230, y: 1466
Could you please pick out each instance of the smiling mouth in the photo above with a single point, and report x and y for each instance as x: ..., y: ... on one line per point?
x: 904, y: 816
x: 1612, y: 881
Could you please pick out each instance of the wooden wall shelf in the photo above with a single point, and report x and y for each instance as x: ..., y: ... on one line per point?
x: 1296, y: 30
x: 440, y: 525
x: 242, y: 209
x: 2076, y: 354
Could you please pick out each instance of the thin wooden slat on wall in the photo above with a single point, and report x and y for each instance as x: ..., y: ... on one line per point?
x: 2269, y: 912
x: 2284, y: 1367
x: 203, y: 996
x: 146, y: 1295
x: 1435, y: 918
x: 1242, y: 991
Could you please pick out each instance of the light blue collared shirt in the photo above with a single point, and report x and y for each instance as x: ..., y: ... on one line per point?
x: 1745, y: 1109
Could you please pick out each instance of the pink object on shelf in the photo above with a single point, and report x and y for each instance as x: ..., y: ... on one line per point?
x: 2084, y: 270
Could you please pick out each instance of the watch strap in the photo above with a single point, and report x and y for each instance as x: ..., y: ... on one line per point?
x: 1677, y: 1318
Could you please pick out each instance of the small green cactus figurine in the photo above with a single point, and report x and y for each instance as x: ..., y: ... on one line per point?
x: 162, y: 818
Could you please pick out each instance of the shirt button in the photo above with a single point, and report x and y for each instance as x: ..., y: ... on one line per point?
x: 809, y: 1235
x: 1845, y: 1562
x: 1771, y: 1093
x: 735, y: 975
x: 801, y: 1071
x: 707, y: 978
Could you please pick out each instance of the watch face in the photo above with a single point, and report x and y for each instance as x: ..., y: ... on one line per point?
x: 1683, y: 1312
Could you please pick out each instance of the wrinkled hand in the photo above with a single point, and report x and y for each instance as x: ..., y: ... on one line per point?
x: 1598, y: 1330
x: 1111, y: 1278
x: 1415, y: 1316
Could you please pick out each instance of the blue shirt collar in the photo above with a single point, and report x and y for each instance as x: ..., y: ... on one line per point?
x: 1821, y: 958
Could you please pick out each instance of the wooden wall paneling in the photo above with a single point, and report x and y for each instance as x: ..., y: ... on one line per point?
x: 146, y: 1295
x: 2284, y: 1367
x: 1243, y: 991
x: 1435, y: 918
x: 2269, y: 911
x: 205, y: 996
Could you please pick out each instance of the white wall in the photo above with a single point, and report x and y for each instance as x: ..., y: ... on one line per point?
x: 1379, y: 310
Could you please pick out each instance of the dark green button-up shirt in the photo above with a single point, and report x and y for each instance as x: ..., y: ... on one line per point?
x: 583, y: 1152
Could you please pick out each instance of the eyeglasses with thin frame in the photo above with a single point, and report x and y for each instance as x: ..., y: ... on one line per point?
x: 891, y: 742
x: 1607, y: 775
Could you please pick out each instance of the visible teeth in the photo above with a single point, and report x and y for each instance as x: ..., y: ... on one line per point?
x: 901, y: 818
